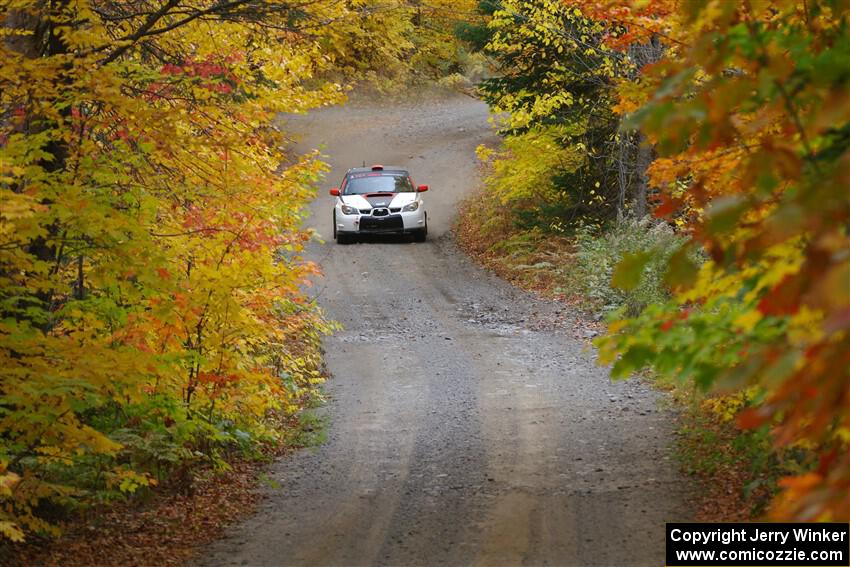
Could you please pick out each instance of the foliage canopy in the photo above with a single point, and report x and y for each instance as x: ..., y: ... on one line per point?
x: 749, y: 114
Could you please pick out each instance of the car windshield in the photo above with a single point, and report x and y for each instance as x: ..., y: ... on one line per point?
x: 362, y: 183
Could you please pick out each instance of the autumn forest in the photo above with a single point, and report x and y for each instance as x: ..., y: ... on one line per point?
x: 675, y: 172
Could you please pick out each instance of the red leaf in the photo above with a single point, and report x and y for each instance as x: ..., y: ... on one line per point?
x: 784, y: 299
x: 751, y: 418
x: 667, y: 206
x: 826, y: 461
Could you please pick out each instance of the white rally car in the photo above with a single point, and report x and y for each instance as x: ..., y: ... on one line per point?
x: 379, y: 200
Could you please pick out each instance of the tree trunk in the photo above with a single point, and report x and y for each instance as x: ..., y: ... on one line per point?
x: 643, y: 54
x: 623, y: 159
x: 642, y: 163
x: 42, y: 41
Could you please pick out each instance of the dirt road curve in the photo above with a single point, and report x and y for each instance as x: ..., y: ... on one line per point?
x: 467, y: 425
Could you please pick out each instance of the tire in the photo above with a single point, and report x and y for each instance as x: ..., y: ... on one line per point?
x: 342, y: 238
x: 421, y: 235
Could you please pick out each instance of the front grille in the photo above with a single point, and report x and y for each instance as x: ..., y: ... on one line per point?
x: 395, y: 209
x: 391, y: 223
x: 365, y: 211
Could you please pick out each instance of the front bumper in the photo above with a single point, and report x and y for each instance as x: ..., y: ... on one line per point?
x: 393, y: 223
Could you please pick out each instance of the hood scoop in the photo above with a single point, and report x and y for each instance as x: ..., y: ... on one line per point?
x: 379, y: 199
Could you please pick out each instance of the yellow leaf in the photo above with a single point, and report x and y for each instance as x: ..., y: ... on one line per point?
x: 748, y: 320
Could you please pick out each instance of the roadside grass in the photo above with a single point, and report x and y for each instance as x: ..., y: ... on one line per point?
x: 529, y: 259
x: 168, y: 525
x: 312, y: 430
x: 573, y: 267
x: 737, y: 471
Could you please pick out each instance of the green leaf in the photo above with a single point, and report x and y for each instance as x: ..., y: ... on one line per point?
x: 724, y: 213
x: 681, y: 270
x: 636, y: 358
x: 628, y: 272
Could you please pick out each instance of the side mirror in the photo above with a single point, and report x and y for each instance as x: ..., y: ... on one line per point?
x: 335, y: 191
x: 422, y: 188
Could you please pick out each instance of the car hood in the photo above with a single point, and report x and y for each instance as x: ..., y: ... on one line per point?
x: 364, y: 202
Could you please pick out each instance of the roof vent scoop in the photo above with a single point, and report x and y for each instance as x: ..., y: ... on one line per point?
x: 377, y: 168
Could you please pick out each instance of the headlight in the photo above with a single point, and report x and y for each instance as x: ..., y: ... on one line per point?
x: 410, y: 207
x: 346, y: 210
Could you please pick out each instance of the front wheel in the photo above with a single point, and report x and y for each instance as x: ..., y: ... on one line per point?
x: 421, y: 235
x: 342, y: 237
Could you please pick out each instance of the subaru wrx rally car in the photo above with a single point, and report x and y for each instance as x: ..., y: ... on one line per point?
x: 379, y: 200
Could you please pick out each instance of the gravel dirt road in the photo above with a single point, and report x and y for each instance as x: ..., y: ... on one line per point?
x: 467, y: 425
